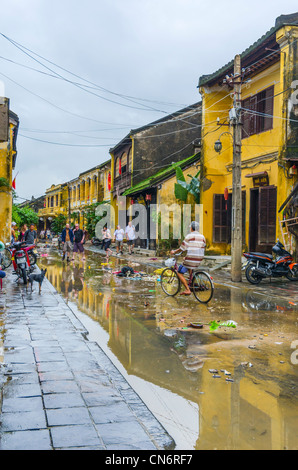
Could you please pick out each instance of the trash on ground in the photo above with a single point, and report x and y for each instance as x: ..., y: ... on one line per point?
x: 226, y: 324
x: 195, y: 325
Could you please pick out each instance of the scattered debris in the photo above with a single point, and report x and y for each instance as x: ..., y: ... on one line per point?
x: 195, y: 325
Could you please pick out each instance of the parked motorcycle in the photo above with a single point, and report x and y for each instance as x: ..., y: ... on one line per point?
x: 262, y: 265
x: 96, y: 241
x: 21, y: 259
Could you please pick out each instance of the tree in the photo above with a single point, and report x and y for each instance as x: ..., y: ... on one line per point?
x: 58, y: 223
x: 182, y: 188
x: 92, y: 219
x: 24, y: 215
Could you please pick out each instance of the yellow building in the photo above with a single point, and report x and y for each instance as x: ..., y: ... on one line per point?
x: 143, y: 170
x: 90, y: 187
x: 9, y: 123
x: 55, y: 203
x: 269, y: 143
x: 72, y: 199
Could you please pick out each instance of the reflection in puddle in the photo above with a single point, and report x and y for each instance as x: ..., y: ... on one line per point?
x: 252, y: 405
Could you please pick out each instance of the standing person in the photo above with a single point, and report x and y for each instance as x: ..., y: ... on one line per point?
x: 106, y: 240
x: 13, y: 232
x: 30, y: 235
x: 194, y: 244
x: 118, y: 236
x: 130, y: 236
x: 79, y: 237
x: 67, y: 241
x: 22, y: 233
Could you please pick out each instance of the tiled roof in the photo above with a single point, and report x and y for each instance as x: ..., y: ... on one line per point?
x: 281, y: 21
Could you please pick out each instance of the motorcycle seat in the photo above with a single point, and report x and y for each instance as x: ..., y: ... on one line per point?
x: 262, y: 255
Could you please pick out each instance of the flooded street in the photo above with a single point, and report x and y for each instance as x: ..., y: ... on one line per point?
x: 226, y: 389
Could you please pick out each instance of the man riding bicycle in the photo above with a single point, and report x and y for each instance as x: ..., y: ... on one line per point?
x: 194, y: 244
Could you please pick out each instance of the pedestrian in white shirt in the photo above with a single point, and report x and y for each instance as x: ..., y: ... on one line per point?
x: 118, y: 237
x: 130, y: 236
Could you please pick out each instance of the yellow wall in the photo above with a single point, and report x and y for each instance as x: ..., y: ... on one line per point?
x: 260, y: 152
x: 6, y: 159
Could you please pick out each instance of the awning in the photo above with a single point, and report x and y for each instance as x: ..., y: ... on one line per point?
x: 256, y: 175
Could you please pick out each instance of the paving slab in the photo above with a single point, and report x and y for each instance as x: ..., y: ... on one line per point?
x: 58, y: 389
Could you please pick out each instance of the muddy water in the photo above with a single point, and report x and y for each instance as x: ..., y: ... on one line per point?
x: 249, y: 403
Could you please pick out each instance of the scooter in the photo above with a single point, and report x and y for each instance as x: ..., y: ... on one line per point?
x: 96, y: 241
x: 262, y: 265
x: 21, y: 254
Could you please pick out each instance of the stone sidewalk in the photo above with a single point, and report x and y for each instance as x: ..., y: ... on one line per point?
x: 59, y: 390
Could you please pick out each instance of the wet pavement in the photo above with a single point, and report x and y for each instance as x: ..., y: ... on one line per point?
x: 60, y: 390
x: 226, y: 389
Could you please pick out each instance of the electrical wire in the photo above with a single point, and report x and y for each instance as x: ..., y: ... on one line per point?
x: 81, y: 86
x: 64, y: 144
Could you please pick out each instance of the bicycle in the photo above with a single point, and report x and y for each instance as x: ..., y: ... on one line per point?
x: 6, y: 257
x: 199, y: 282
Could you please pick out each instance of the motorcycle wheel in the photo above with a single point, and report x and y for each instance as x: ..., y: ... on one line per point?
x: 24, y: 275
x: 294, y: 276
x: 250, y: 276
x: 32, y: 258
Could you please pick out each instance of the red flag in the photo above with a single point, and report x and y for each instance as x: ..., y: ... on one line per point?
x: 14, y: 183
x: 109, y: 182
x: 119, y: 166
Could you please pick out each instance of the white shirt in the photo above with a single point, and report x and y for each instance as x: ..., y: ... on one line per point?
x: 130, y: 232
x: 119, y: 234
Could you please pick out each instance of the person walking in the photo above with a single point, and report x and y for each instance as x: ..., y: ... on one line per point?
x: 30, y: 235
x: 130, y: 236
x: 67, y: 242
x: 118, y: 237
x: 106, y: 241
x: 78, y: 245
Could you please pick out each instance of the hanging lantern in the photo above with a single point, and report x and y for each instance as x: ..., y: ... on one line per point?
x: 148, y: 197
x: 109, y: 181
x: 226, y: 196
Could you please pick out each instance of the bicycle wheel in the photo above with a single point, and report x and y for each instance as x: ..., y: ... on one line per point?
x: 6, y: 258
x: 170, y: 282
x: 202, y: 287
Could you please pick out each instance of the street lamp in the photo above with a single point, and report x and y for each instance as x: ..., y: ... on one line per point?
x: 218, y: 144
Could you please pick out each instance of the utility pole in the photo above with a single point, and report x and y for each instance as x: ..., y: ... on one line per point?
x: 236, y: 239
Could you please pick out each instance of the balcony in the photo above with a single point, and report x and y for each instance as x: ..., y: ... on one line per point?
x: 122, y: 182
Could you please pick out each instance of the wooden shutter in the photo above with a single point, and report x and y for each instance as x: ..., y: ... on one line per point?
x: 253, y: 116
x: 268, y: 109
x: 220, y: 219
x: 267, y: 215
x: 245, y: 117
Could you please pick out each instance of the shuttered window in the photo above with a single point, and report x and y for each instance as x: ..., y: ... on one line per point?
x: 220, y: 219
x: 267, y: 215
x: 222, y: 215
x: 257, y: 113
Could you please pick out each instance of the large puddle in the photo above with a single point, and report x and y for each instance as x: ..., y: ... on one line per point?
x: 249, y: 403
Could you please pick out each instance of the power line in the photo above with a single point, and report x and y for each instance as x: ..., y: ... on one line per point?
x: 63, y: 144
x: 80, y: 86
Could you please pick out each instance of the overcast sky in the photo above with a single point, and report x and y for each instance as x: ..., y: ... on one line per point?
x: 152, y: 51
